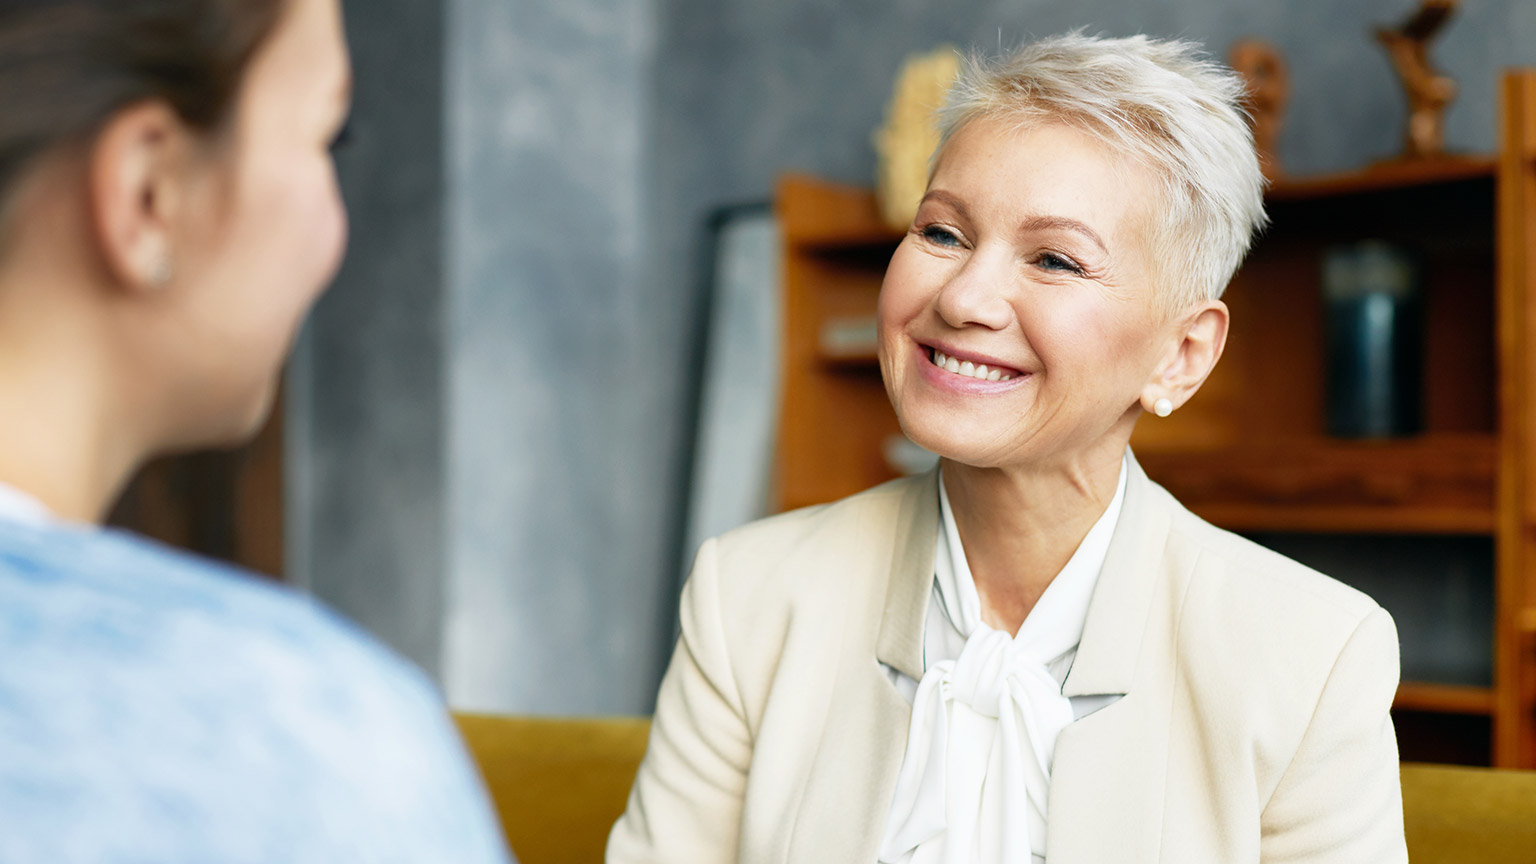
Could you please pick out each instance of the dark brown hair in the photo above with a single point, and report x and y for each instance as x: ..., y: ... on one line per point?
x: 67, y: 66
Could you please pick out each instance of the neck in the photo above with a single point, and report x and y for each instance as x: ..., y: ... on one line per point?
x: 62, y: 442
x: 69, y: 437
x: 1020, y: 525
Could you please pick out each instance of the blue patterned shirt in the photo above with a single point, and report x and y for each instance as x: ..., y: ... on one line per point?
x: 155, y: 707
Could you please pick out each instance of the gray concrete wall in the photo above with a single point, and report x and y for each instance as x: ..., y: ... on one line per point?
x: 365, y: 443
x: 483, y: 423
x: 562, y: 411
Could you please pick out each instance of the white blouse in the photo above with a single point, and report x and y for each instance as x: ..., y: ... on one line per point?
x: 986, y: 715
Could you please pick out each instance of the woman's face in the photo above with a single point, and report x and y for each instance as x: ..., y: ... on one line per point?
x: 1030, y: 256
x: 265, y: 234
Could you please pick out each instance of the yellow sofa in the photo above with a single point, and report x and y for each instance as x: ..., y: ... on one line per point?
x: 1473, y: 815
x: 559, y: 785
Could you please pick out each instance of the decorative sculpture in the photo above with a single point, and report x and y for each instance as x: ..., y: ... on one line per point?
x: 1269, y: 88
x: 911, y: 134
x: 1429, y: 92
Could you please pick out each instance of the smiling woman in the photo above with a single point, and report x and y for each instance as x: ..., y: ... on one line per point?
x: 1034, y: 652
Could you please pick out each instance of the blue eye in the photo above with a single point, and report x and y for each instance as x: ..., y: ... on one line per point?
x: 1052, y: 261
x: 940, y: 236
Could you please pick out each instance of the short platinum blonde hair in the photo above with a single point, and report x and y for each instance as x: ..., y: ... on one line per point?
x: 1160, y: 103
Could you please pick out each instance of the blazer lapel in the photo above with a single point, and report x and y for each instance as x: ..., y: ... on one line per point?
x: 900, y: 644
x: 1108, y: 774
x: 848, y: 792
x: 1122, y: 600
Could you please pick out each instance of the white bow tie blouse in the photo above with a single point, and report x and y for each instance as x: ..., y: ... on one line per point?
x: 975, y: 781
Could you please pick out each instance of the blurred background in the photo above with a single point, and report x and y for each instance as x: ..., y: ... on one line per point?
x: 556, y: 334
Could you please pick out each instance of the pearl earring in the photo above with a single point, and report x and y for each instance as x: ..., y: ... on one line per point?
x: 1162, y: 407
x: 163, y: 272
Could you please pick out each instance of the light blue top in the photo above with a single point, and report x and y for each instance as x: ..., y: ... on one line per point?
x: 155, y: 707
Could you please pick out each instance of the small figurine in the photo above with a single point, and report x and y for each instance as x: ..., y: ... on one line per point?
x: 911, y: 133
x: 1428, y: 91
x: 1269, y: 89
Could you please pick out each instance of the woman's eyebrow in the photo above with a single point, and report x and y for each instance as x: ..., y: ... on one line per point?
x: 1062, y: 223
x: 949, y: 199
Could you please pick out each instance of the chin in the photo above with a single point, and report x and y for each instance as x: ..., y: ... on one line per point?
x: 240, y: 424
x: 955, y: 439
x: 256, y: 417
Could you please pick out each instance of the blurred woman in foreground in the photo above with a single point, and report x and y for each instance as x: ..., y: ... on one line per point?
x: 168, y: 213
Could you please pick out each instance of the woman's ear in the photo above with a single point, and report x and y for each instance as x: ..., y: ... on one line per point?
x: 1190, y: 360
x: 137, y: 172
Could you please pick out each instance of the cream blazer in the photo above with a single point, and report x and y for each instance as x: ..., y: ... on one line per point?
x: 1252, y: 723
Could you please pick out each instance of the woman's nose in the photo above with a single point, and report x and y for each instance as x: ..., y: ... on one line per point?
x: 977, y: 294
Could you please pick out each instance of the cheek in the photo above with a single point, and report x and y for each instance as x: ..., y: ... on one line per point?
x: 302, y: 229
x: 1067, y: 333
x: 336, y: 226
x: 1088, y: 345
x: 286, y: 239
x: 906, y: 292
x: 314, y: 227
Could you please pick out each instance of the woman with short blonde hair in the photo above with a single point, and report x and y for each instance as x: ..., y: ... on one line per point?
x: 1034, y: 652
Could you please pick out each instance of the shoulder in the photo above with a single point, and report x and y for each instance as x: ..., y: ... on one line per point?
x: 814, y: 548
x: 1253, y: 579
x: 114, y: 607
x: 109, y: 577
x: 199, y: 666
x: 852, y: 525
x: 828, y: 564
x: 1249, y: 616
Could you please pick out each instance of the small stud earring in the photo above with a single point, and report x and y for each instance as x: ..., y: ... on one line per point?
x: 1162, y: 407
x: 163, y: 272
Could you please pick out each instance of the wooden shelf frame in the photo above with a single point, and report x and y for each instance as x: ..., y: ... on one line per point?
x: 1514, y: 738
x: 1427, y: 485
x: 835, y: 246
x: 1445, y: 699
x: 1386, y: 176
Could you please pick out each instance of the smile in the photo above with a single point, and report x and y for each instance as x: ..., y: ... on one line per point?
x: 967, y: 369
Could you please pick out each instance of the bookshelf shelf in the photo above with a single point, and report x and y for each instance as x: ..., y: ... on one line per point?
x: 1445, y: 699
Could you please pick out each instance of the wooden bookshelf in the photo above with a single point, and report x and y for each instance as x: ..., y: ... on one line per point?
x: 1250, y: 452
x: 1386, y: 176
x: 1441, y: 484
x: 1445, y: 699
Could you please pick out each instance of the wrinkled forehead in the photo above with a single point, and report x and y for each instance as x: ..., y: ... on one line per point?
x: 1029, y: 164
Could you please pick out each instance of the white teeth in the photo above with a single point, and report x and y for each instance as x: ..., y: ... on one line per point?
x: 979, y: 371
